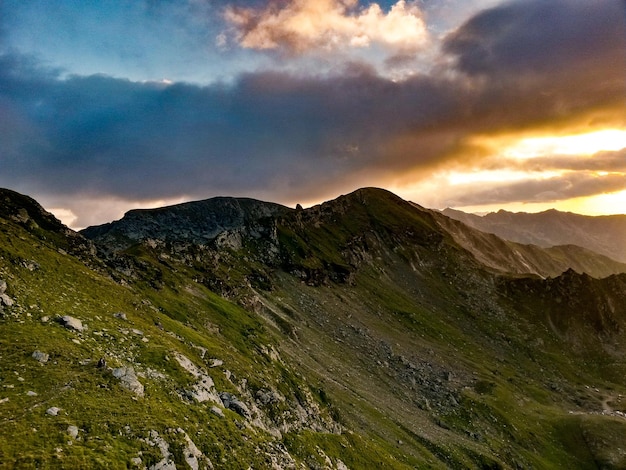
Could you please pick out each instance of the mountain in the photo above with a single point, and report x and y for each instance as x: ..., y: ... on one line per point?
x: 358, y: 333
x: 512, y: 257
x: 602, y: 234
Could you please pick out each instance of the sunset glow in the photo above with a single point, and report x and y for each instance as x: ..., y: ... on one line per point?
x: 464, y: 103
x: 579, y: 144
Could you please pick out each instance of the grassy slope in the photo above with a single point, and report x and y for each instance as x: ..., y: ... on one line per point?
x: 179, y: 317
x: 386, y: 325
x: 493, y: 382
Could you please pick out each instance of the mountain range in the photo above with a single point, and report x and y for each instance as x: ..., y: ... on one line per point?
x: 365, y: 332
x: 602, y: 234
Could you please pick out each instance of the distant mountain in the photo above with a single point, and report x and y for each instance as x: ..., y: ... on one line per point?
x: 365, y: 332
x: 519, y: 258
x: 603, y: 234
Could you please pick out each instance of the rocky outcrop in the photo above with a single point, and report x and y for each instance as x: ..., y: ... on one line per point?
x: 5, y: 300
x: 129, y: 380
x: 231, y: 402
x: 204, y: 389
x: 40, y: 356
x: 72, y: 323
x: 197, y: 222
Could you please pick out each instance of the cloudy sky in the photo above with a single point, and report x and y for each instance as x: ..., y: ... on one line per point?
x: 473, y: 104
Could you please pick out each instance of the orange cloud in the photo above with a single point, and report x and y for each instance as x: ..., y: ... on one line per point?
x: 304, y: 25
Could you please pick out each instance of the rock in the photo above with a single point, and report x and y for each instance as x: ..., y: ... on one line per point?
x: 232, y: 403
x: 102, y: 363
x: 217, y: 411
x: 6, y: 300
x: 72, y: 431
x: 129, y: 380
x: 41, y: 356
x: 216, y: 363
x: 45, y: 319
x: 3, y: 286
x: 193, y: 455
x: 53, y: 411
x: 204, y: 389
x: 121, y: 316
x: 72, y: 323
x: 136, y: 461
x: 30, y: 393
x: 4, y: 400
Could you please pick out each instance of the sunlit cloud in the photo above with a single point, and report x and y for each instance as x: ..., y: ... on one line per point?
x: 580, y: 144
x: 302, y: 25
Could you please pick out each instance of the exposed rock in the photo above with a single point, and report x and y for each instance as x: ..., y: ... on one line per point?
x: 30, y: 393
x: 129, y: 380
x: 216, y: 363
x: 121, y: 316
x: 136, y: 461
x: 6, y: 300
x: 72, y: 323
x: 41, y: 356
x: 217, y: 411
x: 53, y: 411
x: 72, y: 431
x: 204, y: 389
x: 4, y: 400
x: 232, y: 403
x: 3, y: 286
x: 193, y: 455
x: 166, y: 463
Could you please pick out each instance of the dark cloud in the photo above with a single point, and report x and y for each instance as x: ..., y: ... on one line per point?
x: 289, y: 137
x: 535, y: 37
x: 560, y: 188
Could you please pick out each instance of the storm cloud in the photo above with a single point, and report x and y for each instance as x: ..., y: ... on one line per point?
x: 289, y: 136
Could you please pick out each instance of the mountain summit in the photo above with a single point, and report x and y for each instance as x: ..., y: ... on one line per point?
x: 365, y: 332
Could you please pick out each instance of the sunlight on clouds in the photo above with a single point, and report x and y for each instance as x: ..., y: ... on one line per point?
x: 614, y: 203
x: 492, y: 176
x: 64, y: 215
x: 602, y: 204
x: 302, y: 25
x: 95, y: 210
x: 581, y: 144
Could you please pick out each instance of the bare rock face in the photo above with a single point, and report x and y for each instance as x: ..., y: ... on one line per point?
x: 40, y: 356
x: 4, y: 298
x: 72, y: 323
x: 233, y: 403
x: 129, y: 380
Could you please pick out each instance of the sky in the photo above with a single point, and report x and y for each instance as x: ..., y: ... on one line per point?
x: 473, y: 104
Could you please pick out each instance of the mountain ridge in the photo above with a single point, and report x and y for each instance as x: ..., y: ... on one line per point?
x: 602, y: 234
x: 355, y: 334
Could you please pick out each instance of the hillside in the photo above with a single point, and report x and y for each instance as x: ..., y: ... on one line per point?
x: 603, y: 234
x: 511, y: 257
x: 355, y: 334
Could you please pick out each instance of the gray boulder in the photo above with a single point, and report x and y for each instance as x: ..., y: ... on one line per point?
x: 72, y: 323
x: 129, y: 380
x: 41, y: 356
x: 6, y: 300
x: 232, y: 403
x: 72, y: 431
x: 3, y: 286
